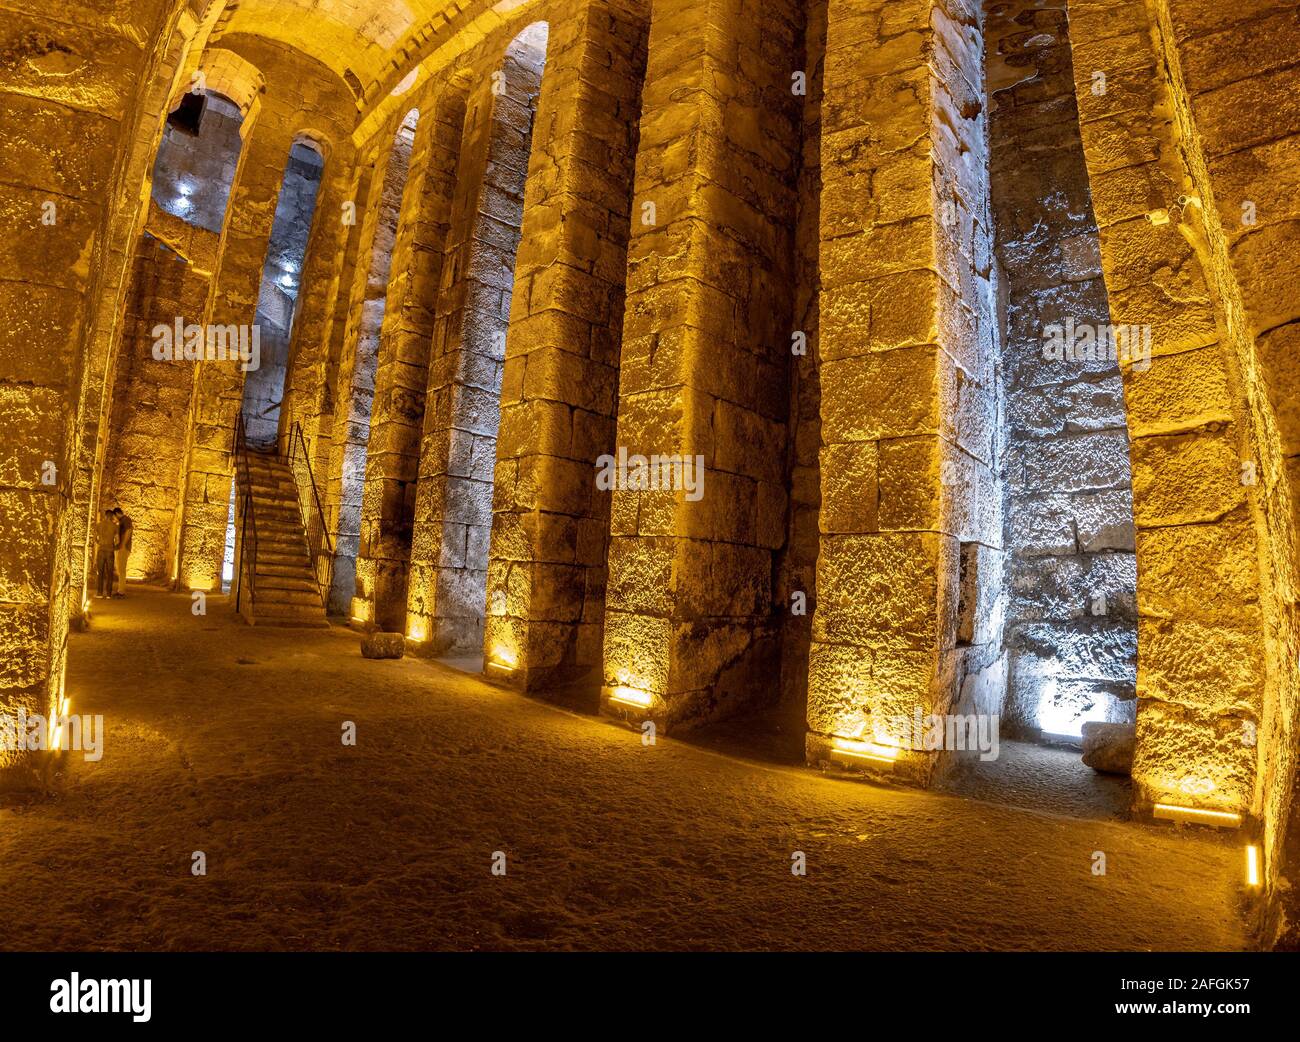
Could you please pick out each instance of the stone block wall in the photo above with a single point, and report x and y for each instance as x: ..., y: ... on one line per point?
x: 192, y: 174
x: 277, y: 303
x: 151, y: 399
x: 1236, y: 74
x: 1071, y: 567
x: 76, y: 92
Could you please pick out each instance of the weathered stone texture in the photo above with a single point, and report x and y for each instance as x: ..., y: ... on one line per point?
x: 1071, y: 570
x: 689, y: 611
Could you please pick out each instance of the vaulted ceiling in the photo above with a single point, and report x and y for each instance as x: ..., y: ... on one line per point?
x: 371, y: 44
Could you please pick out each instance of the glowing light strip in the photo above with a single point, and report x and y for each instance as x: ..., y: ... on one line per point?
x: 859, y: 750
x: 1222, y: 818
x: 630, y: 696
x: 1252, y: 865
x: 56, y: 736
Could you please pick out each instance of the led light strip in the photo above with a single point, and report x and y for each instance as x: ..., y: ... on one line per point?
x: 1218, y: 818
x: 859, y: 750
x: 630, y: 696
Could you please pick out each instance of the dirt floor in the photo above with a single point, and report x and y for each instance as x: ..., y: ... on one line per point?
x: 226, y: 739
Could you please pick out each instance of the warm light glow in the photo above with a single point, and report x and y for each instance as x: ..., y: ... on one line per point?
x: 1252, y: 865
x: 630, y: 696
x: 407, y: 82
x: 502, y: 658
x: 418, y: 629
x: 1220, y: 818
x: 860, y: 750
x: 56, y: 725
x: 361, y: 610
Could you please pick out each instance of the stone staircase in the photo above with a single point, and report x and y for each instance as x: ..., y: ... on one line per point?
x: 285, y: 587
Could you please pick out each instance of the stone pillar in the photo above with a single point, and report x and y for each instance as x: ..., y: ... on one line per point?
x: 72, y: 91
x: 559, y: 388
x: 1236, y: 64
x: 453, y: 509
x: 1216, y: 637
x: 908, y: 377
x: 334, y: 329
x: 397, y: 416
x: 208, y: 464
x: 691, y: 631
x: 345, y: 430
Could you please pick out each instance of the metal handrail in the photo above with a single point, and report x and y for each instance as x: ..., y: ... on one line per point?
x: 319, y: 544
x: 247, y: 516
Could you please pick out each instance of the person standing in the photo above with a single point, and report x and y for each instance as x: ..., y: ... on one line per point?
x: 125, y: 528
x: 105, y: 547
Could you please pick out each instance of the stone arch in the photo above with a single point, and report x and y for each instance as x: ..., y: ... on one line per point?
x: 264, y: 386
x: 230, y: 74
x: 173, y: 261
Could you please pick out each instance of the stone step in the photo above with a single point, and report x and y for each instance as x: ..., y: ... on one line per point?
x: 273, y: 597
x: 294, y: 583
x: 300, y: 577
x: 267, y: 533
x: 275, y: 523
x: 284, y: 564
x: 313, y: 619
x: 264, y: 493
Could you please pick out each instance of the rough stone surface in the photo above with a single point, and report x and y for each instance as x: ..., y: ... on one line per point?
x: 1071, y: 570
x: 1108, y: 747
x: 383, y: 645
x: 816, y: 243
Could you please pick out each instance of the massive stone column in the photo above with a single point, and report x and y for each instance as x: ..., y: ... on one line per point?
x: 72, y: 147
x: 207, y: 462
x: 446, y: 592
x: 397, y: 414
x: 346, y: 430
x: 1216, y: 637
x: 1237, y: 64
x: 559, y: 387
x: 181, y: 52
x: 690, y: 627
x: 908, y: 345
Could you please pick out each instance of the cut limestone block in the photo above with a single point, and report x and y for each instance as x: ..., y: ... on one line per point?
x: 383, y: 645
x: 1108, y: 747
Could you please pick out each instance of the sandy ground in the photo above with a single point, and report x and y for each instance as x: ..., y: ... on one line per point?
x: 227, y: 740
